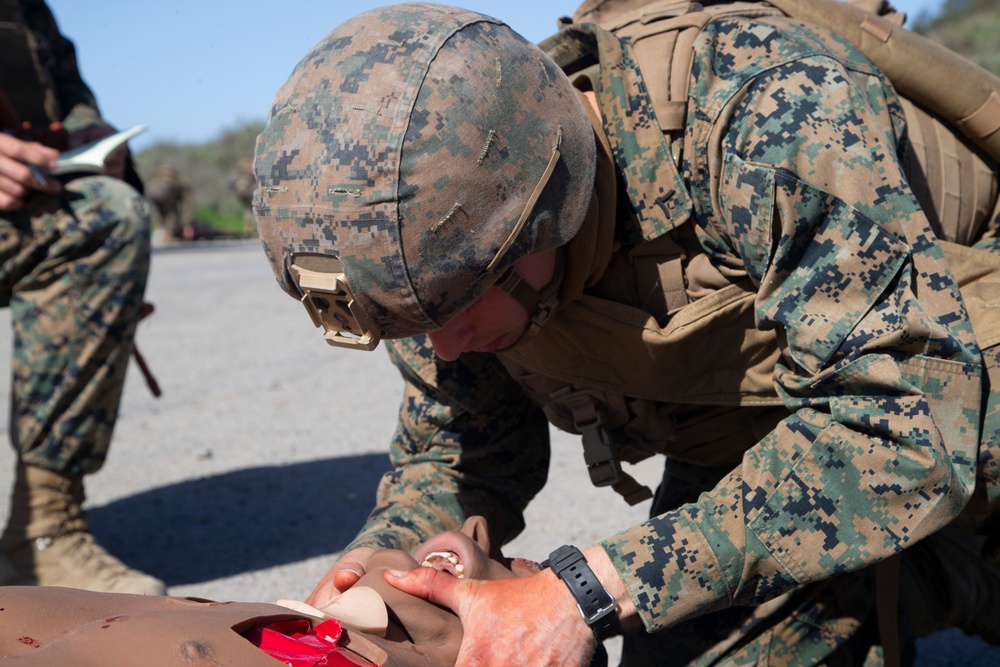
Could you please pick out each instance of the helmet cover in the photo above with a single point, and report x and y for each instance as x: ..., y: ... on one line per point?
x: 409, y: 143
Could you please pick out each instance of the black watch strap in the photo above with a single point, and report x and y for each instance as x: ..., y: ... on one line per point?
x: 596, y: 605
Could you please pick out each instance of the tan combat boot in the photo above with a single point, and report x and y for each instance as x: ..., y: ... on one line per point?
x: 47, y: 541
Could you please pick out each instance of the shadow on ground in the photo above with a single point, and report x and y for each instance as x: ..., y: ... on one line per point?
x: 240, y: 521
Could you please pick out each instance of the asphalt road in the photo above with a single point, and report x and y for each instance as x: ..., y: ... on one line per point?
x: 260, y: 460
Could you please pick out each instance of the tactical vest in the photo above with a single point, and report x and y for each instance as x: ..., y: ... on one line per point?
x: 680, y: 386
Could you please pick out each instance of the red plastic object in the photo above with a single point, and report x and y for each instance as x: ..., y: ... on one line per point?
x: 298, y: 644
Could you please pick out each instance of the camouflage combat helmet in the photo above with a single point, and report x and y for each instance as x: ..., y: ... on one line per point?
x: 413, y: 155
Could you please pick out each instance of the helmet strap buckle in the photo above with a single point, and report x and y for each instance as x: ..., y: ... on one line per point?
x: 539, y: 304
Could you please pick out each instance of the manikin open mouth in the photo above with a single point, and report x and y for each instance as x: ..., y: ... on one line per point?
x: 445, y: 561
x: 466, y: 554
x: 457, y: 554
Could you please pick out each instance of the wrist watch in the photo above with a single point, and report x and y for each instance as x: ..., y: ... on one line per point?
x: 596, y: 605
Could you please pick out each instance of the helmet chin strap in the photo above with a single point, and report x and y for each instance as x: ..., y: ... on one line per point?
x: 539, y: 303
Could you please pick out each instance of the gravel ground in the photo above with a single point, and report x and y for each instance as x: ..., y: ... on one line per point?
x: 259, y: 462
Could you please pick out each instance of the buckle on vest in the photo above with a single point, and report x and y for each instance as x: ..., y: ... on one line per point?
x: 598, y: 449
x: 542, y: 313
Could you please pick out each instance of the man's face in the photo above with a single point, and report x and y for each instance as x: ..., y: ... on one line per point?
x: 496, y: 320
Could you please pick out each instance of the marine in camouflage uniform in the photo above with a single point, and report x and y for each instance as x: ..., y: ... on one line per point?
x: 168, y: 192
x: 243, y: 184
x: 820, y: 388
x: 73, y: 267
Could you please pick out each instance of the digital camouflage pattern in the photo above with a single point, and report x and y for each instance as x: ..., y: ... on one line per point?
x: 408, y: 143
x: 866, y: 362
x: 793, y: 161
x: 73, y: 271
x: 475, y: 419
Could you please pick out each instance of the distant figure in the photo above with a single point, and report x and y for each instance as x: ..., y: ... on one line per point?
x: 74, y: 255
x: 168, y: 192
x: 243, y: 184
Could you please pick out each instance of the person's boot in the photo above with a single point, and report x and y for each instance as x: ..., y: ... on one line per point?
x: 945, y: 583
x: 47, y: 541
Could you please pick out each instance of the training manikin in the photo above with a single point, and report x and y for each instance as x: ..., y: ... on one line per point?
x: 380, y: 625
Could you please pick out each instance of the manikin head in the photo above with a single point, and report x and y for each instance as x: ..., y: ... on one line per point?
x: 62, y: 626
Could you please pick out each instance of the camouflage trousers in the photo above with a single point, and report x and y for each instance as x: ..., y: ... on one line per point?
x: 73, y: 271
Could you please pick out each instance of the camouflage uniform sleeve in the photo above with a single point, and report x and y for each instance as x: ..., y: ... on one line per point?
x: 879, y: 366
x: 468, y: 442
x: 75, y: 98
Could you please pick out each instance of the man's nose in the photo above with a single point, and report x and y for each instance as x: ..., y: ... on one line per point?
x: 451, y: 340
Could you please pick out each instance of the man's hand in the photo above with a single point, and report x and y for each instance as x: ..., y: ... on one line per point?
x: 344, y: 574
x: 520, y: 621
x: 22, y: 167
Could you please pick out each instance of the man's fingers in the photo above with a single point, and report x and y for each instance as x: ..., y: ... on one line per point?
x: 9, y: 202
x: 11, y: 191
x: 17, y: 178
x: 324, y: 592
x: 334, y: 583
x: 348, y: 576
x: 424, y: 582
x: 22, y: 166
x: 28, y: 152
x: 345, y: 573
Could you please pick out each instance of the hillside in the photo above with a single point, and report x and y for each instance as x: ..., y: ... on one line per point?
x: 970, y: 27
x: 207, y: 169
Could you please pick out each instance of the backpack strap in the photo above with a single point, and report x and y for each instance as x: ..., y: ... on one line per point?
x: 957, y: 189
x: 662, y: 35
x: 663, y: 48
x: 977, y: 274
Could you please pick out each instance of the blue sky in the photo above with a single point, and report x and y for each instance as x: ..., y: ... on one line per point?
x: 190, y: 68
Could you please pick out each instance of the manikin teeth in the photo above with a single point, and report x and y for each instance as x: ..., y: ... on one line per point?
x: 445, y: 561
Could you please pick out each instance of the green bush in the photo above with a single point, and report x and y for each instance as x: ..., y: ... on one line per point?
x: 968, y: 27
x: 208, y: 169
x: 229, y: 221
